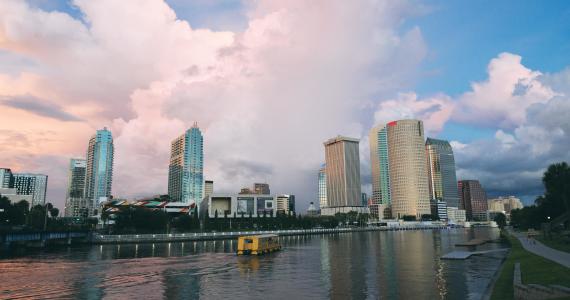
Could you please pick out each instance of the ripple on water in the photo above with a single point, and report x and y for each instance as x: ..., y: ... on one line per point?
x: 359, y: 265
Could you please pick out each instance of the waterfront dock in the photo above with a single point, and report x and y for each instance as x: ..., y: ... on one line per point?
x: 473, y: 242
x: 460, y: 255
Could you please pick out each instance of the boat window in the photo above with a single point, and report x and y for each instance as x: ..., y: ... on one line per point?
x: 248, y: 241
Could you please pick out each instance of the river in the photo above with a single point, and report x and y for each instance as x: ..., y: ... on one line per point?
x: 358, y: 265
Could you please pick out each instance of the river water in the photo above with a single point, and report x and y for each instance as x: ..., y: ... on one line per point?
x: 359, y: 265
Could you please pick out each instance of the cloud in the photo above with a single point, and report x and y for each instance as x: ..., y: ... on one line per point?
x: 534, y: 135
x: 435, y: 111
x: 502, y: 100
x: 38, y: 106
x: 528, y: 109
x: 266, y: 97
x: 268, y: 104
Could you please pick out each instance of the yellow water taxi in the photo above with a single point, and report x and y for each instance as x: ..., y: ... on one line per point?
x: 258, y: 244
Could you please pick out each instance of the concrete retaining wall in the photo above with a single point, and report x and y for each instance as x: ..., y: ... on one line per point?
x: 536, y: 291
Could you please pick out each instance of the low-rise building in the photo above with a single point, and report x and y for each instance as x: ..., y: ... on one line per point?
x: 312, y: 210
x: 455, y: 215
x: 504, y: 205
x: 439, y: 209
x: 333, y: 210
x: 384, y: 211
x: 241, y: 205
x: 14, y: 197
x: 285, y: 203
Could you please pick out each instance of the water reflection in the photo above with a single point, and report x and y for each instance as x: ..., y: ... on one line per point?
x: 371, y: 265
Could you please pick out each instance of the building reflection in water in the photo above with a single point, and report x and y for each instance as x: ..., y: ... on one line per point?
x: 371, y: 265
x: 345, y: 272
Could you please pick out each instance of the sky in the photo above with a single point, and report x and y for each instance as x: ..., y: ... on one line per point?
x: 269, y: 81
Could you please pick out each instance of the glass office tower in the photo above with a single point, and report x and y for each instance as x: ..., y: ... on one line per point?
x: 379, y: 165
x: 99, y: 170
x: 441, y: 171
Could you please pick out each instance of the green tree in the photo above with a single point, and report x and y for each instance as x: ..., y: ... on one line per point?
x: 54, y: 212
x: 501, y: 220
x: 556, y: 180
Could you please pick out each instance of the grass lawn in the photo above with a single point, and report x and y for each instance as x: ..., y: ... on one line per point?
x: 557, y: 242
x: 534, y: 269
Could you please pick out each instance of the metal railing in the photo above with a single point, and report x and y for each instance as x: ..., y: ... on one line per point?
x: 198, y: 236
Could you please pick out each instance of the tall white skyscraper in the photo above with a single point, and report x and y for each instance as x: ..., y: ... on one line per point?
x: 409, y: 190
x: 99, y: 167
x: 343, y: 172
x: 186, y: 169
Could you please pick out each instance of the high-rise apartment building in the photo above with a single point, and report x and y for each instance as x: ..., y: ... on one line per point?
x: 99, y: 167
x: 342, y: 173
x: 473, y: 200
x: 379, y: 165
x: 76, y: 205
x: 441, y: 172
x: 409, y: 190
x: 208, y: 187
x: 186, y: 169
x: 322, y: 191
x: 32, y: 184
x: 261, y: 189
x: 6, y: 178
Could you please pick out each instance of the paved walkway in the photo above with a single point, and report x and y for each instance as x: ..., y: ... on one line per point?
x: 538, y: 248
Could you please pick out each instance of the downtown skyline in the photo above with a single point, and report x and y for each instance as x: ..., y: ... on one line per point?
x: 505, y: 123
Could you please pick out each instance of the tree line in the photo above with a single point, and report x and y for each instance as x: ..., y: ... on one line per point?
x: 137, y: 220
x: 20, y: 216
x: 548, y: 207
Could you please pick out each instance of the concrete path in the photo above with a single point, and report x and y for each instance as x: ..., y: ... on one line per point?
x: 538, y: 248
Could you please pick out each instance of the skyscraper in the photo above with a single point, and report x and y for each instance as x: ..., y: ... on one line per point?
x: 473, y: 200
x: 261, y: 188
x: 323, y: 186
x: 343, y: 172
x: 441, y: 172
x: 75, y: 203
x: 186, y: 169
x: 99, y: 167
x: 6, y: 178
x: 409, y: 190
x: 31, y: 184
x: 379, y: 164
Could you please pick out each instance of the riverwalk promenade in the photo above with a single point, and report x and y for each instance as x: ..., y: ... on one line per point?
x: 536, y: 247
x: 204, y: 236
